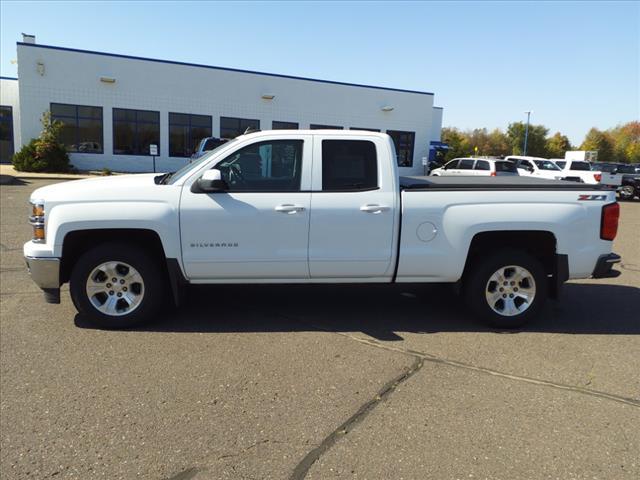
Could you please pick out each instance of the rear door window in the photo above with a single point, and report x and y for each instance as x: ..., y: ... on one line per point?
x: 482, y: 165
x: 349, y: 165
x: 582, y: 166
x: 466, y: 164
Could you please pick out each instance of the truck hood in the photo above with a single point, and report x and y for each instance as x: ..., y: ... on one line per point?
x: 112, y: 188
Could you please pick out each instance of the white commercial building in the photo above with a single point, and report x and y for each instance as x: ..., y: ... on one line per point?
x: 114, y: 106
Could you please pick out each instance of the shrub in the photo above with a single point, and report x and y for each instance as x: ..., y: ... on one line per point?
x: 106, y: 171
x: 45, y: 153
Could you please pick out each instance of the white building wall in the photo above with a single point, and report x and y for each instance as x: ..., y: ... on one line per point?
x: 9, y: 96
x: 52, y: 74
x: 436, y: 124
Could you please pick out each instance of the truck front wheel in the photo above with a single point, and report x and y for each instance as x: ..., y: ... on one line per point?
x: 507, y: 288
x: 117, y: 285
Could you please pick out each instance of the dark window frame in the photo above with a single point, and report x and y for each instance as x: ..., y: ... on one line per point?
x: 190, y: 126
x: 281, y: 126
x: 11, y: 132
x: 365, y: 129
x: 411, y: 150
x: 240, y: 129
x: 365, y: 188
x: 77, y: 119
x: 136, y: 122
x: 318, y: 126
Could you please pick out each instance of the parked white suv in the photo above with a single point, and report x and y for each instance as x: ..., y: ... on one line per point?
x: 536, y: 167
x: 476, y: 167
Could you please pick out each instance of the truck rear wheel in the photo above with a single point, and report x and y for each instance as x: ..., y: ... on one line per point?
x: 117, y: 285
x: 507, y: 288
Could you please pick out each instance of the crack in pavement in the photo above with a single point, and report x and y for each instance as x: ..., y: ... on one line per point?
x: 310, y: 458
x: 428, y: 357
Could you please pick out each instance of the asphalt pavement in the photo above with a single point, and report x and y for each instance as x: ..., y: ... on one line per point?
x: 318, y: 382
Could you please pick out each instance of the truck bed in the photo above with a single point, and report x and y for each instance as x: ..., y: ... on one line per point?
x: 491, y: 183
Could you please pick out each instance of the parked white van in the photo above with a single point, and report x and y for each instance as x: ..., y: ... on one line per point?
x: 476, y: 167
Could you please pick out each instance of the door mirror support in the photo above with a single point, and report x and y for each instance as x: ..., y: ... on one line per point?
x: 210, y: 182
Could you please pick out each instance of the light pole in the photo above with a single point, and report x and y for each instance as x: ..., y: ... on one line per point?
x: 526, y: 132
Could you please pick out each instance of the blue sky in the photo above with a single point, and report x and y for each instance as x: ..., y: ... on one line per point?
x: 575, y: 64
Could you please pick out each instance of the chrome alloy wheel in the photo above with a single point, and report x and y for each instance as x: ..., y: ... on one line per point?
x: 115, y: 288
x: 510, y: 290
x: 626, y: 191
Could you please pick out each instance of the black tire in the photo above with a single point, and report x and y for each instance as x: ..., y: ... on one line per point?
x: 150, y: 269
x: 627, y: 192
x: 476, y: 284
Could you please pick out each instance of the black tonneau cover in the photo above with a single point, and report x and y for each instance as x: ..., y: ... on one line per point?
x: 492, y: 183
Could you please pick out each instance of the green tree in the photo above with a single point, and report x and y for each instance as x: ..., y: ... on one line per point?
x: 626, y: 142
x: 499, y: 143
x: 45, y: 153
x: 457, y: 141
x: 536, y: 139
x: 600, y: 141
x: 557, y: 145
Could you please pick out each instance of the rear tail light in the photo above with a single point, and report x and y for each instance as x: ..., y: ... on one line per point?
x: 609, y: 221
x: 597, y: 176
x: 493, y: 174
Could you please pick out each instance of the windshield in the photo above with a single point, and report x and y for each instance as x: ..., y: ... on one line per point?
x: 546, y: 165
x: 196, y: 163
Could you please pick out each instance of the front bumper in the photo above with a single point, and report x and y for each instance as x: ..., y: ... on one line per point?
x: 604, y: 266
x: 45, y: 272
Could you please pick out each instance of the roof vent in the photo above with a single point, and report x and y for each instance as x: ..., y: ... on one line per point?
x: 27, y: 38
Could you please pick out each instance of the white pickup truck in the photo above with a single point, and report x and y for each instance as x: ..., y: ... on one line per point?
x: 319, y: 206
x: 581, y: 171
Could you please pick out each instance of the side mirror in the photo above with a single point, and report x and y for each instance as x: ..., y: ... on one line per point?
x: 210, y: 182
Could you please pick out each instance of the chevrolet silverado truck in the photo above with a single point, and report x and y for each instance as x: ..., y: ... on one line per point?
x: 318, y: 206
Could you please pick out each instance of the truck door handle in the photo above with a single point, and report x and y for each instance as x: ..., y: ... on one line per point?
x: 289, y: 208
x: 372, y: 208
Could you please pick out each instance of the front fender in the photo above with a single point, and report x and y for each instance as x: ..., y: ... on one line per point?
x: 159, y: 217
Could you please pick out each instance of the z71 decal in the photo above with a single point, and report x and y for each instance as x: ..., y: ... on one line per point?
x: 592, y: 197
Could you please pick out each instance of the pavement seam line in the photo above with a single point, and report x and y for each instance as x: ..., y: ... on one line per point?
x: 467, y: 366
x: 303, y: 467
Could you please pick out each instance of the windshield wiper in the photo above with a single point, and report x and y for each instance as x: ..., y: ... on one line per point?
x: 162, y: 179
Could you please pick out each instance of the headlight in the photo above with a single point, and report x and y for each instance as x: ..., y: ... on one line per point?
x: 37, y: 221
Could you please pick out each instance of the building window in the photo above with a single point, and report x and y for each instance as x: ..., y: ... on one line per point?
x: 316, y: 126
x: 284, y: 125
x: 349, y: 165
x: 186, y: 131
x: 6, y: 133
x: 134, y: 131
x: 232, y: 127
x: 403, y: 142
x: 81, y: 127
x: 365, y: 129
